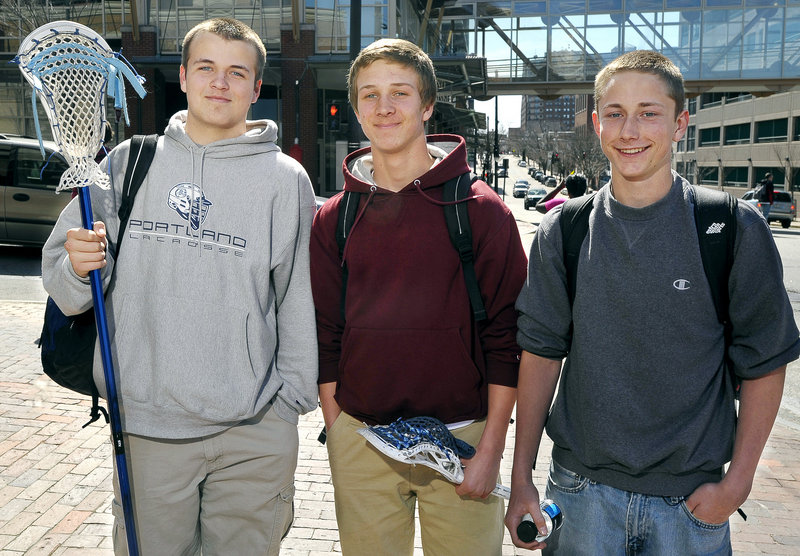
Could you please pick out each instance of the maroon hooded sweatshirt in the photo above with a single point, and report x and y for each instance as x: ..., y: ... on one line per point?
x: 409, y: 345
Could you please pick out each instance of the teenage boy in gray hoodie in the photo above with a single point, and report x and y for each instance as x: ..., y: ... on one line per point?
x: 209, y: 311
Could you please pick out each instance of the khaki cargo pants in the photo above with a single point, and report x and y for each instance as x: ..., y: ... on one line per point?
x: 229, y: 493
x: 376, y: 497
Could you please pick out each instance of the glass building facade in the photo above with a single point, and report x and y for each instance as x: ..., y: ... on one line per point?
x: 481, y: 49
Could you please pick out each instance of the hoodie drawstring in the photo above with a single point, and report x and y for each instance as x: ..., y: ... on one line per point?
x: 427, y: 197
x: 417, y: 185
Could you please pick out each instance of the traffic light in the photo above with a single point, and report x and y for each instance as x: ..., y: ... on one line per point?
x: 334, y: 115
x: 555, y: 158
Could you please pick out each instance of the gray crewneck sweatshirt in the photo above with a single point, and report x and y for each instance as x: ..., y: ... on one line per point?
x: 645, y: 403
x: 210, y: 311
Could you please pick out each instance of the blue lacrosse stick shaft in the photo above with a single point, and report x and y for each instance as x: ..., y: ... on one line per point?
x: 111, y: 385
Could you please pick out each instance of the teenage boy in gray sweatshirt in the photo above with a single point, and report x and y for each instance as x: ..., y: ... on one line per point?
x: 210, y: 311
x: 644, y: 420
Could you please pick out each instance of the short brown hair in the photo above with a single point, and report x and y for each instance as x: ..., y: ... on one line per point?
x: 230, y: 30
x: 397, y: 51
x: 644, y: 61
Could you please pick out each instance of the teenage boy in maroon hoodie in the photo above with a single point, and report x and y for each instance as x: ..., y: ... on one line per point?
x: 407, y: 345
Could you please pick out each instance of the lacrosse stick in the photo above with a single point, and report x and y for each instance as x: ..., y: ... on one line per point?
x: 425, y: 441
x: 72, y: 70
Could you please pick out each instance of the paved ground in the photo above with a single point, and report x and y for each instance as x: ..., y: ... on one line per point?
x: 55, y: 477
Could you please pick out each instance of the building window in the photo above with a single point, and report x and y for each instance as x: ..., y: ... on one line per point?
x: 737, y: 134
x: 737, y: 97
x: 690, y: 133
x: 710, y: 100
x: 691, y: 106
x: 736, y: 177
x: 709, y: 137
x: 771, y: 131
x: 709, y: 175
x: 796, y: 136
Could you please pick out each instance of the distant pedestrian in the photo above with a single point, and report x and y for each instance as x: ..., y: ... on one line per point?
x: 767, y: 195
x: 576, y: 186
x: 644, y: 421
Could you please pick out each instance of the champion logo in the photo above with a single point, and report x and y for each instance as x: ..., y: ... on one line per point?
x: 682, y: 284
x: 715, y: 228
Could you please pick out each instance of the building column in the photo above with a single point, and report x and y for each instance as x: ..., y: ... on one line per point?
x: 145, y: 114
x: 299, y: 97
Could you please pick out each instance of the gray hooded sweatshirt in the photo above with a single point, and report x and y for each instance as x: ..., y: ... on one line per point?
x: 210, y: 313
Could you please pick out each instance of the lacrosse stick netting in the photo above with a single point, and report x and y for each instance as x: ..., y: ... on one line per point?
x: 72, y: 70
x: 425, y: 441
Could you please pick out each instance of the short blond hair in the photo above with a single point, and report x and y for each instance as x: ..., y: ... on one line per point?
x: 231, y: 30
x: 397, y: 51
x: 644, y: 61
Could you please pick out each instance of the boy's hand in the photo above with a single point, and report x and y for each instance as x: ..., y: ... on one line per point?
x: 480, y: 475
x: 86, y: 249
x: 524, y: 500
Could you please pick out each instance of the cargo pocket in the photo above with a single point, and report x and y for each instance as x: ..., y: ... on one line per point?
x: 283, y: 518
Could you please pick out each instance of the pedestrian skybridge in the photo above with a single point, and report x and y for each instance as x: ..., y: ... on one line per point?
x: 556, y: 47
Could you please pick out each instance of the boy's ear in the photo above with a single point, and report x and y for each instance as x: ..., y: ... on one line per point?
x: 427, y: 113
x: 256, y: 92
x: 182, y: 78
x: 596, y: 123
x: 681, y: 124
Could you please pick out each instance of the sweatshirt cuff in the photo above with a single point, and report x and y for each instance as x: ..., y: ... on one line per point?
x: 502, y: 373
x: 328, y: 372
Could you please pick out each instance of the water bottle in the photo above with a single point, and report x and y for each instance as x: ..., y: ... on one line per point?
x: 553, y: 518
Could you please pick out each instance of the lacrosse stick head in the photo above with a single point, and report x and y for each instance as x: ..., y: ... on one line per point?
x: 71, y: 68
x: 421, y: 440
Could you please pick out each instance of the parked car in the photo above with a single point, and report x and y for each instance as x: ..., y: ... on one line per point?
x: 550, y: 181
x: 521, y: 188
x: 29, y: 205
x: 783, y: 210
x: 522, y: 163
x: 502, y: 173
x: 534, y: 195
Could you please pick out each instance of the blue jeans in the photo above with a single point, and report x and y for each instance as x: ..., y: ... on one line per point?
x: 599, y: 519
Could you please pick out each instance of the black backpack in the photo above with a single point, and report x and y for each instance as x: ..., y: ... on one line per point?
x: 67, y: 342
x: 715, y: 220
x: 458, y: 226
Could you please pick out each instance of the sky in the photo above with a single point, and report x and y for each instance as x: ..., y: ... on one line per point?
x: 508, y: 110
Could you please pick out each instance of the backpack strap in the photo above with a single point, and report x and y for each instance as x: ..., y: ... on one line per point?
x: 457, y: 218
x: 348, y: 207
x: 574, y: 224
x: 715, y: 219
x: 140, y: 156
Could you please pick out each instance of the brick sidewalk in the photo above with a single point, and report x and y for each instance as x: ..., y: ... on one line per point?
x: 55, y: 477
